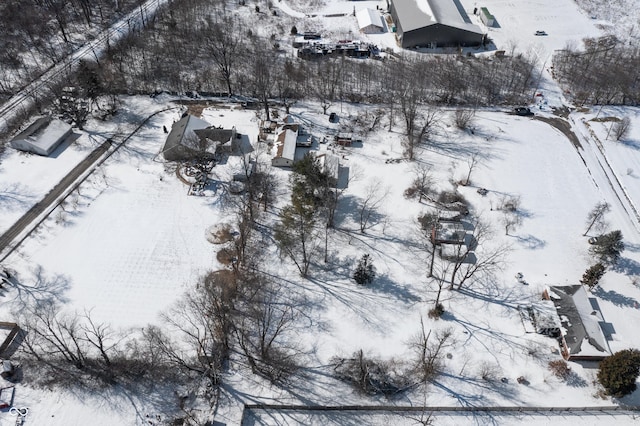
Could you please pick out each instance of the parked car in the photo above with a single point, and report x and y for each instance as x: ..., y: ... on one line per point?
x: 333, y: 117
x: 523, y: 111
x: 593, y: 240
x: 540, y: 33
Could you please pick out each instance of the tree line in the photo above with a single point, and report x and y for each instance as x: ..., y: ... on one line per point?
x: 36, y: 34
x: 603, y: 73
x: 204, y: 47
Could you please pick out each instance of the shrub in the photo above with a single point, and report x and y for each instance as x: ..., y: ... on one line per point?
x: 560, y: 369
x: 369, y: 375
x: 618, y: 373
x: 436, y: 312
x: 365, y: 271
x: 294, y: 30
x: 592, y: 275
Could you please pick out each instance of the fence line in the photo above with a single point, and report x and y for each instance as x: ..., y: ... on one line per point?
x: 399, y: 409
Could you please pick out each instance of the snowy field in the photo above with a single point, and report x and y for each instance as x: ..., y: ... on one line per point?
x: 134, y: 240
x: 130, y: 242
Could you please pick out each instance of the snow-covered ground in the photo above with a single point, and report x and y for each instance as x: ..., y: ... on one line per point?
x: 131, y: 241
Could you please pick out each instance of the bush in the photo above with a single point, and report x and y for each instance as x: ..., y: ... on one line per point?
x: 294, y: 30
x: 365, y: 271
x: 618, y: 373
x: 436, y: 312
x: 369, y: 375
x: 560, y: 369
x: 592, y: 275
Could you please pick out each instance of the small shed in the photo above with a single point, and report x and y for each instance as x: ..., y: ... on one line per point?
x: 42, y: 137
x: 369, y: 21
x: 486, y: 17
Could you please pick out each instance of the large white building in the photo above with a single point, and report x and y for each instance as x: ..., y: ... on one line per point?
x: 42, y: 137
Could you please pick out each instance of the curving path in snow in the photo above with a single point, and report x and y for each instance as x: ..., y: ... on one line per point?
x: 287, y: 9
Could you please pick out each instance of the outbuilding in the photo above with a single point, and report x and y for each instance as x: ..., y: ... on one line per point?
x: 433, y: 23
x: 43, y: 136
x: 369, y: 21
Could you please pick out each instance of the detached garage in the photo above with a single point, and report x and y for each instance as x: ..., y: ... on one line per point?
x: 42, y: 137
x: 369, y: 21
x: 434, y: 23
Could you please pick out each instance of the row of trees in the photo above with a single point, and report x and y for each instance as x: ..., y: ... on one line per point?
x: 604, y: 73
x: 229, y: 58
x: 35, y: 34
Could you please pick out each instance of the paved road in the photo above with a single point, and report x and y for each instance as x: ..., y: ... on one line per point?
x: 49, y: 199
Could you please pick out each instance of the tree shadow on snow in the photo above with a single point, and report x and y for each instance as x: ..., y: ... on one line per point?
x: 13, y: 197
x: 382, y: 284
x: 39, y: 288
x: 627, y: 266
x: 531, y: 242
x: 616, y: 298
x: 350, y: 207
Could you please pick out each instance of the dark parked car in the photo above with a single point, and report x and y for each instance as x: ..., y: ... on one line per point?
x: 523, y: 111
x: 333, y: 117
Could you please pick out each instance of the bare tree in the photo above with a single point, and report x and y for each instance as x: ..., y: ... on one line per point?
x: 463, y: 118
x: 52, y: 336
x: 422, y: 184
x: 264, y: 335
x: 621, y: 128
x: 373, y: 197
x: 261, y: 78
x: 472, y: 162
x: 101, y: 336
x: 428, y: 222
x: 223, y: 43
x: 511, y: 220
x: 428, y: 354
x: 596, y: 216
x: 472, y: 260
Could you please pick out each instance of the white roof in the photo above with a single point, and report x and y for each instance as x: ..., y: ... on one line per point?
x: 415, y: 14
x: 289, y: 143
x: 368, y: 17
x: 44, y: 133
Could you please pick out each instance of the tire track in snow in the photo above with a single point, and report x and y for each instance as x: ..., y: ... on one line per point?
x: 600, y: 156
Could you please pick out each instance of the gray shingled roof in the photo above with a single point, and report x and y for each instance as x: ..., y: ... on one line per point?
x: 580, y: 321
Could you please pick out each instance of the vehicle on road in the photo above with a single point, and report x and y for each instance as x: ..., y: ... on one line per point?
x: 522, y: 111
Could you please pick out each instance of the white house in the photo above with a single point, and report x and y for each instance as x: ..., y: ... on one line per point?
x: 42, y: 137
x: 369, y: 21
x: 285, y: 143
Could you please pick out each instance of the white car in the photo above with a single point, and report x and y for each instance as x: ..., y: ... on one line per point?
x: 541, y: 33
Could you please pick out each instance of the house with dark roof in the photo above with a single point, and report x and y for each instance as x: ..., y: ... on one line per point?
x: 42, y: 137
x: 582, y: 336
x: 433, y: 23
x: 191, y: 137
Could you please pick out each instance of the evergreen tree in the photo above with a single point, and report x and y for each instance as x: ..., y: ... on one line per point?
x: 608, y: 247
x: 618, y: 373
x: 365, y: 271
x: 592, y: 275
